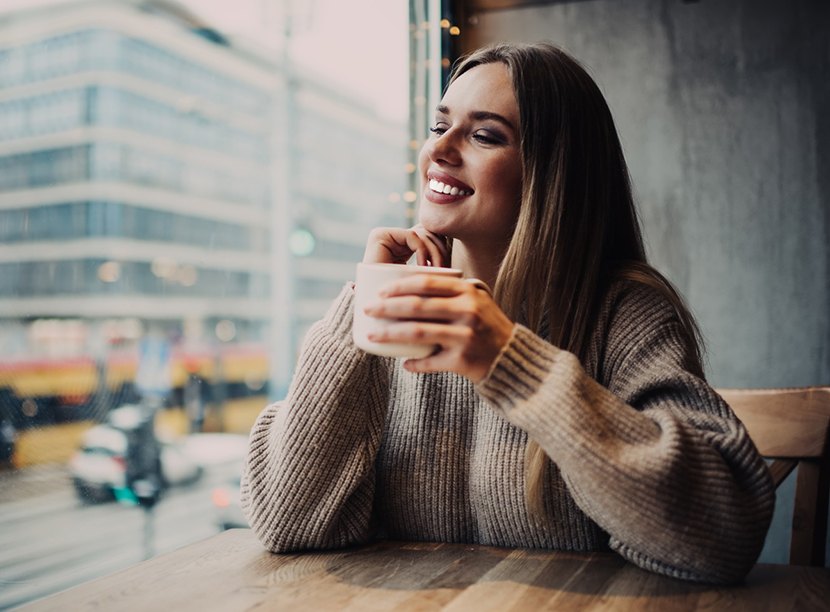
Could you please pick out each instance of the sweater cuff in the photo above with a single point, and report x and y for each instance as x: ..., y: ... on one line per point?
x: 519, y: 370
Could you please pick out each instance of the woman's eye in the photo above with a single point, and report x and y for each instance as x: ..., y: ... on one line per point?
x: 438, y: 129
x: 487, y: 138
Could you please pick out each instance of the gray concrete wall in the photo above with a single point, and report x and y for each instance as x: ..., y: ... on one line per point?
x: 723, y: 108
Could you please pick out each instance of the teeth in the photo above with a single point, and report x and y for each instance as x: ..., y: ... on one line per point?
x: 439, y: 187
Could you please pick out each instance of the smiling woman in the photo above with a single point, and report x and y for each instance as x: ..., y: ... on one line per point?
x: 567, y: 411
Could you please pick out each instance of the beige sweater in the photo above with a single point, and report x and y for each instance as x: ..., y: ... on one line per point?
x: 647, y: 459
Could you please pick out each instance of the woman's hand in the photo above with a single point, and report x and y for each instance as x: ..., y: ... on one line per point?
x: 396, y: 245
x: 463, y: 321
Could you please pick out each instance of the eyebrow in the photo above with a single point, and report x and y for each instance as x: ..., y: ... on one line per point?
x: 479, y: 116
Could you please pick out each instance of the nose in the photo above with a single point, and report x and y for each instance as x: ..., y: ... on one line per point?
x: 444, y: 148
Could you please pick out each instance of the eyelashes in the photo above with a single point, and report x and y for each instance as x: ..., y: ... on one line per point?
x: 482, y: 136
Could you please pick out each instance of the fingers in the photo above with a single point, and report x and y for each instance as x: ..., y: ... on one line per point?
x: 462, y: 321
x: 418, y: 308
x: 455, y: 350
x: 416, y: 332
x: 427, y: 297
x: 436, y: 247
x: 386, y: 245
x: 423, y: 248
x: 428, y: 285
x: 398, y: 245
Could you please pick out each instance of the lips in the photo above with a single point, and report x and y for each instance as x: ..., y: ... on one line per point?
x: 442, y: 188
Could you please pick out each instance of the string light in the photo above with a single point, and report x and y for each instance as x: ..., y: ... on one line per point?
x: 163, y: 267
x: 187, y: 275
x: 109, y: 271
x: 225, y: 330
x: 455, y: 31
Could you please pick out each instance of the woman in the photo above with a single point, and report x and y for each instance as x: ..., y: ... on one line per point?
x: 569, y: 411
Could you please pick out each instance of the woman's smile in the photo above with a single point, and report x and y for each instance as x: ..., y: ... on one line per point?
x: 445, y: 189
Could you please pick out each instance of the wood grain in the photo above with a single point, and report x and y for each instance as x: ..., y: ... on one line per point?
x: 784, y: 423
x: 232, y: 572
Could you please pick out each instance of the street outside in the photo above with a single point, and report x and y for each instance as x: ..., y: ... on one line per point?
x: 50, y: 540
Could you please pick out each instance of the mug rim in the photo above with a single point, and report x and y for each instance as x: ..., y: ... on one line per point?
x: 412, y: 267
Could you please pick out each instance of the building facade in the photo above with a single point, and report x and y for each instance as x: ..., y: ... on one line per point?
x: 159, y: 179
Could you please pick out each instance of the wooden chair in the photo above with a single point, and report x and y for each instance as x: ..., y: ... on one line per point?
x: 792, y: 426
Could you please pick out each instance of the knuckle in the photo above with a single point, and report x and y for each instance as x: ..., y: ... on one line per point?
x: 416, y: 305
x: 473, y: 311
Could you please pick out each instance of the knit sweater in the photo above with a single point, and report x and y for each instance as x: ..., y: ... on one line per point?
x: 646, y: 459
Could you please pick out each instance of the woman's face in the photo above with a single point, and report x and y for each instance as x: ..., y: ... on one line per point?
x: 471, y: 164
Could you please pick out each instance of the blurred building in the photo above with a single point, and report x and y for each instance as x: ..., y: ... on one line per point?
x: 157, y: 176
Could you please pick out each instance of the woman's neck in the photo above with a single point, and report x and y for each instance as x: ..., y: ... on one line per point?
x: 477, y: 262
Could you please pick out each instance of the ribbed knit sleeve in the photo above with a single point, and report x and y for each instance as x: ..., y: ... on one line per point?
x: 653, y: 455
x: 309, y: 480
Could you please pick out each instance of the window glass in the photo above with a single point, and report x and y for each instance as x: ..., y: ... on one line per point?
x: 184, y: 188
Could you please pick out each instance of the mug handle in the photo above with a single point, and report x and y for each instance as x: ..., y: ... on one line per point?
x: 480, y: 284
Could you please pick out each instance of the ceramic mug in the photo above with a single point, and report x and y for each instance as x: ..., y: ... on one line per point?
x: 370, y: 279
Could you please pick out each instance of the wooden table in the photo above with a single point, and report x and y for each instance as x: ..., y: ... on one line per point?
x: 231, y: 572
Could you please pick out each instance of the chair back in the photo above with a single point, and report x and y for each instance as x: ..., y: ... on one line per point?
x: 792, y: 427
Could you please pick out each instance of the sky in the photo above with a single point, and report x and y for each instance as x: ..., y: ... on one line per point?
x: 360, y: 45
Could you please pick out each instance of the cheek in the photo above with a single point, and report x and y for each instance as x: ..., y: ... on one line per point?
x: 508, y: 186
x: 515, y: 174
x: 423, y: 158
x: 506, y: 180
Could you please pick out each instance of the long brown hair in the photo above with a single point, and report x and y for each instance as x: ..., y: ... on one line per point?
x: 577, y: 228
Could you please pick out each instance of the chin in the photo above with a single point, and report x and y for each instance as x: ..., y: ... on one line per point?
x: 441, y: 229
x: 433, y: 221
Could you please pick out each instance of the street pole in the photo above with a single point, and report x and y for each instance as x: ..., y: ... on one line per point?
x: 149, y: 532
x: 282, y: 274
x: 144, y: 477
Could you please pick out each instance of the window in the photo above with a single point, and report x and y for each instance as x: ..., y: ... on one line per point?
x: 184, y: 188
